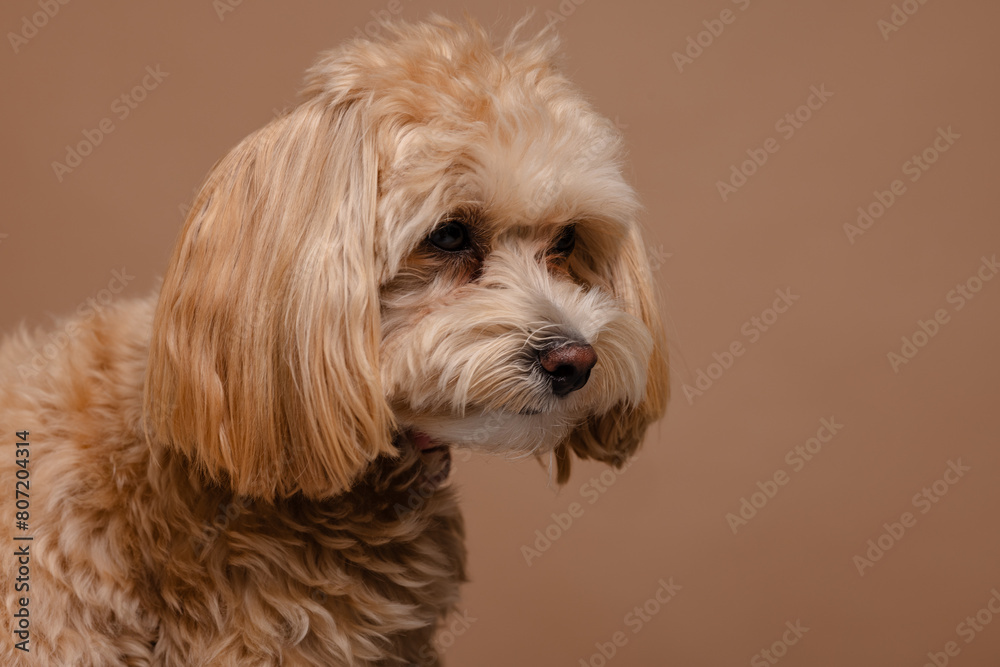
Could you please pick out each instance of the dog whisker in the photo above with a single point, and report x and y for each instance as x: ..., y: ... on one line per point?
x: 430, y: 251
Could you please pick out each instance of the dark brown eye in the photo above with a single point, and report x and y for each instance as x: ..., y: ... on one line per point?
x: 565, y: 242
x: 450, y: 236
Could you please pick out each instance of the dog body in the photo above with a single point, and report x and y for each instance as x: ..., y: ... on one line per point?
x: 138, y: 560
x: 434, y: 249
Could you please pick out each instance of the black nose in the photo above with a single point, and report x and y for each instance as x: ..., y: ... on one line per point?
x: 568, y: 366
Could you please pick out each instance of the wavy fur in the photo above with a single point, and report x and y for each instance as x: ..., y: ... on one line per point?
x: 236, y: 471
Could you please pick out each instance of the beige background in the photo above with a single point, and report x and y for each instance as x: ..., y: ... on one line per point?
x: 718, y: 263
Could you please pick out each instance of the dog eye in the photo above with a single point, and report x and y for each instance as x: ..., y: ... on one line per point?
x: 450, y: 236
x: 565, y: 242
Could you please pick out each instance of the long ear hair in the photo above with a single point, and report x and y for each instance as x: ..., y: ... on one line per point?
x: 623, y: 269
x: 263, y: 366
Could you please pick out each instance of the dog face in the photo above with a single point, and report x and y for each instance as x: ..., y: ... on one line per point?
x: 436, y: 245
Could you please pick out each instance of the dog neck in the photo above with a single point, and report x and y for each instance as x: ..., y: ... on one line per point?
x: 327, y: 579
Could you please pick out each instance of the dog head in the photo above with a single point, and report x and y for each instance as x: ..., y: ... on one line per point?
x: 435, y: 245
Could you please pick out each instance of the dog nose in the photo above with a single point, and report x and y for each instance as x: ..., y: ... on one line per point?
x: 568, y: 366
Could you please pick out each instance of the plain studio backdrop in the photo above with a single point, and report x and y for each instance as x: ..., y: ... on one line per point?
x: 821, y: 211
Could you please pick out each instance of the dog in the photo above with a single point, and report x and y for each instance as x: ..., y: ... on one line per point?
x: 434, y: 249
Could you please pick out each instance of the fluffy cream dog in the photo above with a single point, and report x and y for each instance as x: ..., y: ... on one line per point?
x: 434, y: 249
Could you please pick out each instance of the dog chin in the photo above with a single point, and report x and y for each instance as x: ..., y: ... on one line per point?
x: 502, y: 433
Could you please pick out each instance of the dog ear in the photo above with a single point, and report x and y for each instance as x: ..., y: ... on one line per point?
x: 263, y: 366
x: 622, y: 268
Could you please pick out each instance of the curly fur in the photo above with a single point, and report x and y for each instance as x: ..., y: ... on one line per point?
x: 225, y: 473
